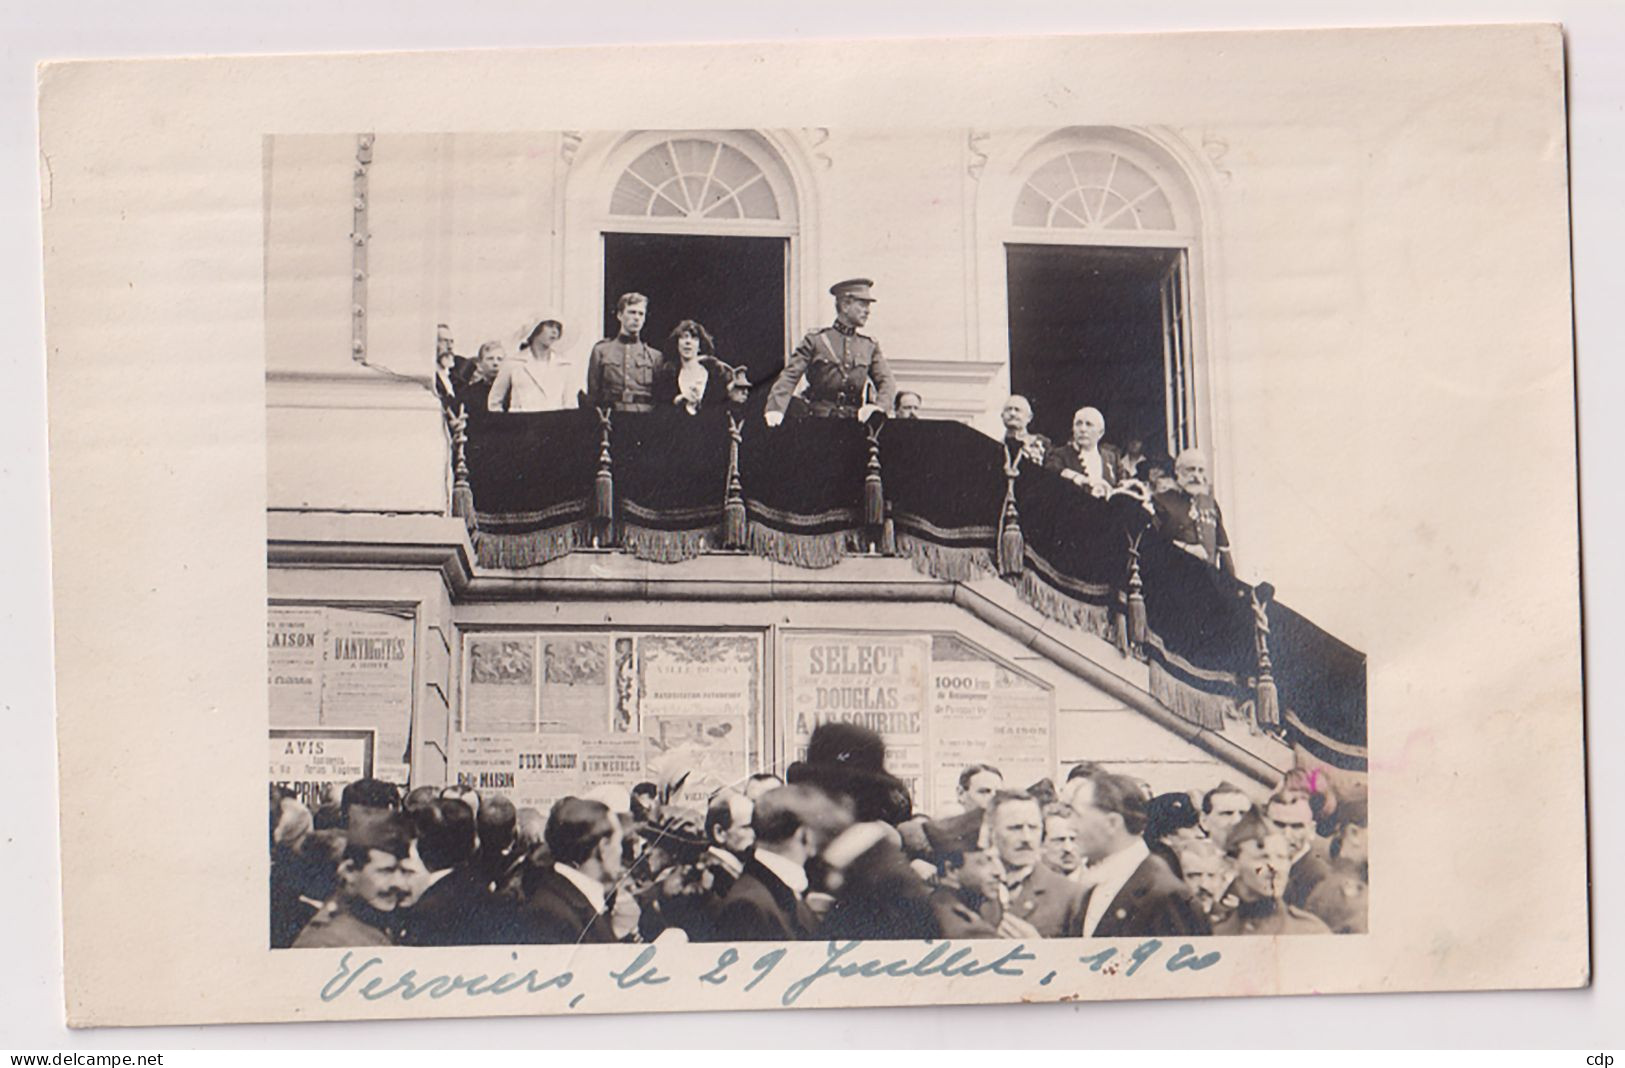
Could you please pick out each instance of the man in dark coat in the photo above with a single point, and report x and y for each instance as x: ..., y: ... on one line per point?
x: 1086, y: 461
x: 1036, y: 894
x: 1289, y: 812
x: 457, y: 908
x: 767, y: 903
x: 1189, y: 516
x: 567, y: 901
x: 877, y: 894
x: 1133, y: 894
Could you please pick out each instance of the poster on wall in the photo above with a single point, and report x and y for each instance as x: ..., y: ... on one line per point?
x: 315, y: 764
x: 876, y: 680
x: 367, y: 680
x: 575, y: 685
x: 706, y: 753
x: 699, y: 674
x: 501, y: 691
x: 344, y: 667
x: 531, y: 770
x: 985, y: 713
x: 293, y: 647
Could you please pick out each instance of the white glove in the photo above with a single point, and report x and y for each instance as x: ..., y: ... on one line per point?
x: 866, y: 410
x: 772, y: 418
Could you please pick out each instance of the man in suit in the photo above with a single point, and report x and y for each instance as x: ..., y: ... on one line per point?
x: 1038, y: 895
x: 977, y: 785
x: 1222, y: 808
x: 1188, y: 515
x: 731, y: 837
x: 1132, y: 893
x: 838, y: 362
x: 1289, y: 813
x: 767, y: 902
x: 567, y: 902
x: 456, y: 907
x: 1085, y: 461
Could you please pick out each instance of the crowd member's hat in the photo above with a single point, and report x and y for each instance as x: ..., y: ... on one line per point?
x: 679, y: 831
x: 387, y: 832
x: 1167, y: 813
x: 1044, y: 790
x: 846, y: 759
x: 857, y: 288
x: 956, y: 834
x: 536, y: 324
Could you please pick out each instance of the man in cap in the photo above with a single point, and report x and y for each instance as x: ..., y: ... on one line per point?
x: 1263, y: 861
x: 1049, y: 901
x: 621, y: 369
x: 970, y: 881
x: 1189, y: 516
x: 370, y: 885
x: 1133, y: 894
x: 1086, y: 461
x: 838, y: 362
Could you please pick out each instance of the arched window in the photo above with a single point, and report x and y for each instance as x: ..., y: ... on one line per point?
x: 1093, y: 189
x: 693, y: 178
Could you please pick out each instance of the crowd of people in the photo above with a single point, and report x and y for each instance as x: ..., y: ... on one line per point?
x: 833, y: 850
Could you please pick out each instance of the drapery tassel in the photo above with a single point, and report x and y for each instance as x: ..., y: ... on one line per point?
x: 1136, y: 599
x: 888, y: 538
x: 1268, y: 708
x: 603, y: 486
x: 874, y: 491
x: 462, y: 494
x: 1012, y: 550
x: 733, y: 502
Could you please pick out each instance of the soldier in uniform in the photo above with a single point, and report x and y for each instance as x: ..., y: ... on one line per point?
x: 1263, y: 861
x: 621, y: 370
x: 1189, y: 516
x: 361, y: 911
x: 969, y: 878
x: 838, y: 362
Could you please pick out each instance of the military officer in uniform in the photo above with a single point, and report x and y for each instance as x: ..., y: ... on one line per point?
x: 621, y: 369
x: 1263, y: 862
x: 838, y: 362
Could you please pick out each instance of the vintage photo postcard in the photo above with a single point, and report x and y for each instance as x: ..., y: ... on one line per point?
x: 786, y: 526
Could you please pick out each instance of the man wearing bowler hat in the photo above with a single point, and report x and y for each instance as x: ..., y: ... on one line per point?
x: 838, y: 363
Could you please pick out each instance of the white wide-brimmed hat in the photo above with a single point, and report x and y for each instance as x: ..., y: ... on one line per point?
x: 534, y: 324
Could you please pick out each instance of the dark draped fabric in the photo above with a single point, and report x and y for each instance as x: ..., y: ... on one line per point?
x: 533, y: 480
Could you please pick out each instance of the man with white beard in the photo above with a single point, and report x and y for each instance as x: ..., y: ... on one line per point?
x: 1189, y: 516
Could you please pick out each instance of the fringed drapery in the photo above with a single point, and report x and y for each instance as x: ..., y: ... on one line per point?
x: 809, y: 493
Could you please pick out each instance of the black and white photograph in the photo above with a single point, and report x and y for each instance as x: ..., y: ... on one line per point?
x: 949, y: 522
x: 692, y: 588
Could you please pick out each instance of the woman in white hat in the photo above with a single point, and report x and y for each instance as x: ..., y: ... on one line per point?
x: 533, y: 380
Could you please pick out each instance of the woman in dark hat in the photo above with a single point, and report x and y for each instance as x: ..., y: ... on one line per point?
x: 877, y: 894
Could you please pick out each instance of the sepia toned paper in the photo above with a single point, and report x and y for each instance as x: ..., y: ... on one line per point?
x: 1386, y: 292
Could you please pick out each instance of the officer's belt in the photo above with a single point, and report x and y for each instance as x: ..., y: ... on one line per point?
x: 827, y: 409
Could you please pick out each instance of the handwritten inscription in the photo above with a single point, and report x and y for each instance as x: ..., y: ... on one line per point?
x: 367, y: 978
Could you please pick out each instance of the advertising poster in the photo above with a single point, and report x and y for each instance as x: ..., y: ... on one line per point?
x: 876, y: 680
x: 712, y: 750
x: 612, y: 760
x: 575, y: 685
x: 501, y: 693
x: 699, y: 674
x: 293, y: 648
x: 315, y: 764
x: 367, y: 680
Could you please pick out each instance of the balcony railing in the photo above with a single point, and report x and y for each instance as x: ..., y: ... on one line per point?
x: 668, y: 487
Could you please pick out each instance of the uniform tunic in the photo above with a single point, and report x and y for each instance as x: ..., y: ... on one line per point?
x: 1270, y: 917
x: 621, y: 374
x: 838, y: 363
x: 335, y: 926
x: 1194, y: 522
